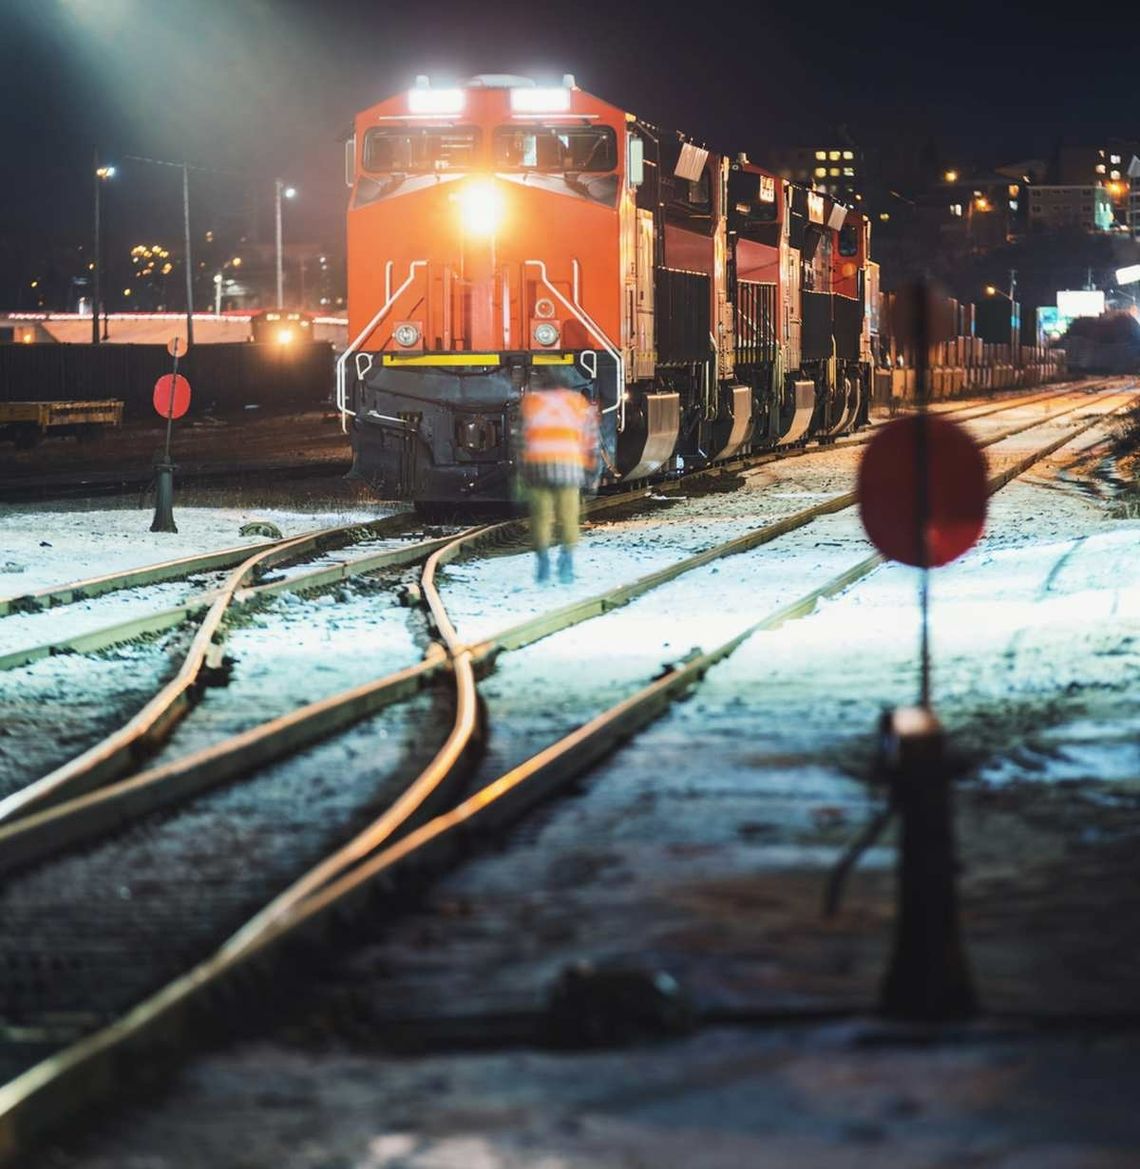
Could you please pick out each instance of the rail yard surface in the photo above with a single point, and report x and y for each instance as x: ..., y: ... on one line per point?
x: 639, y: 971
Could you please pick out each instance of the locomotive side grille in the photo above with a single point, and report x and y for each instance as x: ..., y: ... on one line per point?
x: 682, y: 316
x: 755, y: 323
x: 848, y: 327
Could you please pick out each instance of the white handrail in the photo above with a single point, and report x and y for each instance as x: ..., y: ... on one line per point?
x: 585, y: 319
x: 711, y: 409
x: 365, y: 333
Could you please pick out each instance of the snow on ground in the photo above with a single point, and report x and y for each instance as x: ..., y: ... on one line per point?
x: 700, y: 847
x: 40, y: 548
x: 297, y: 651
x: 1036, y: 642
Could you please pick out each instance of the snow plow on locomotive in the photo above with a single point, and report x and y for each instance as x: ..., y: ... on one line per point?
x: 707, y: 306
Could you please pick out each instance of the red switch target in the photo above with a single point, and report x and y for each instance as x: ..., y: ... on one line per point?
x: 172, y: 395
x: 955, y: 479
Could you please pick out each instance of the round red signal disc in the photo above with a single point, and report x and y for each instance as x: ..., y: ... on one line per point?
x: 172, y: 395
x: 955, y: 490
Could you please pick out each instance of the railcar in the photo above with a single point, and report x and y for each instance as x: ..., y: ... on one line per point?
x: 706, y: 305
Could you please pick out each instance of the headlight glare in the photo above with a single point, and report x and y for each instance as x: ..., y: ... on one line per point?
x: 481, y: 208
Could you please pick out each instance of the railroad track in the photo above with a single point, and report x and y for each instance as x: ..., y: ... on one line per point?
x: 150, y: 726
x: 124, y: 748
x: 406, y: 842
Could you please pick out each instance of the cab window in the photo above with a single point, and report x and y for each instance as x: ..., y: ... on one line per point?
x: 419, y: 149
x: 848, y: 241
x: 558, y: 149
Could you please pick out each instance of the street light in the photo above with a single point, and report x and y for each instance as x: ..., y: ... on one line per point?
x: 993, y: 290
x: 101, y: 175
x: 1014, y: 316
x: 286, y: 192
x: 185, y: 168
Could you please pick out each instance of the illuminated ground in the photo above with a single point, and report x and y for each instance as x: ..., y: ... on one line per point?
x: 701, y: 850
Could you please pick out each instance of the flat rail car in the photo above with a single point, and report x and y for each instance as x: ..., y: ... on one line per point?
x: 708, y: 306
x: 26, y: 423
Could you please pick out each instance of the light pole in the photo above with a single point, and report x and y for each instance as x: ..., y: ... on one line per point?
x: 1014, y: 321
x: 287, y: 192
x: 185, y: 168
x: 101, y: 175
x: 189, y: 261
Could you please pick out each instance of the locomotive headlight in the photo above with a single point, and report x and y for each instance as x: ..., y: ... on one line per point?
x: 480, y: 208
x: 284, y: 336
x: 406, y: 335
x: 546, y: 333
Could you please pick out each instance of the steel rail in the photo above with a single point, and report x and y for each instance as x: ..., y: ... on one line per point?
x: 82, y: 590
x: 117, y: 751
x: 114, y: 634
x: 85, y: 818
x: 38, y: 831
x: 162, y: 619
x: 959, y: 414
x: 86, y: 1071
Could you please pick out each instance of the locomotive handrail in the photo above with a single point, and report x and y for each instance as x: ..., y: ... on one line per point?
x: 585, y: 319
x: 366, y: 332
x: 710, y: 405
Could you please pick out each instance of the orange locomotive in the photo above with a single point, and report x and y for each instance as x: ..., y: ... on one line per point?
x: 706, y: 306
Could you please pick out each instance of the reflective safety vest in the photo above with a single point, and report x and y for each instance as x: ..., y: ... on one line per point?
x: 558, y: 429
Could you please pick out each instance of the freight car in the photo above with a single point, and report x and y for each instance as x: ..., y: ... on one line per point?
x: 708, y: 306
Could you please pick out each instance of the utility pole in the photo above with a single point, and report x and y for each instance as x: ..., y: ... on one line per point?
x: 100, y: 174
x: 282, y: 190
x: 189, y: 258
x: 96, y: 271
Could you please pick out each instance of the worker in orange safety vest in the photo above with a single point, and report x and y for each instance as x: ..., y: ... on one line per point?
x: 559, y: 457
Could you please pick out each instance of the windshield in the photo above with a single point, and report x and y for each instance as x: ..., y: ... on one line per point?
x: 418, y: 149
x: 573, y: 149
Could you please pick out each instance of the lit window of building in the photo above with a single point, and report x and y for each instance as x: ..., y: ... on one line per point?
x: 956, y: 209
x: 833, y: 155
x: 821, y: 156
x: 1100, y: 168
x: 820, y: 171
x: 850, y: 154
x: 849, y: 170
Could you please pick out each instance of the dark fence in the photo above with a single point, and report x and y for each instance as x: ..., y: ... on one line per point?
x: 223, y: 377
x: 682, y: 316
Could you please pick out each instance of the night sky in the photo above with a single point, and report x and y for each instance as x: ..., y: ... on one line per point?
x: 255, y: 89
